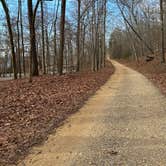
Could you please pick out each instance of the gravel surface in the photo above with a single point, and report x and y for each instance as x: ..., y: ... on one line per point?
x: 124, y: 124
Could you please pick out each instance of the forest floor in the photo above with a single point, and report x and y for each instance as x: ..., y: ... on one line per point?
x: 154, y: 70
x: 124, y: 123
x: 30, y: 111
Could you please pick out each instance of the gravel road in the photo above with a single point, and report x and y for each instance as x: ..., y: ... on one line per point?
x: 124, y: 124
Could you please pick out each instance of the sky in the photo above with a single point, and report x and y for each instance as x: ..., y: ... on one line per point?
x: 113, y: 18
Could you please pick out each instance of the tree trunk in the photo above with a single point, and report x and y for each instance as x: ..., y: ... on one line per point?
x: 78, y: 36
x: 62, y: 37
x: 33, y: 53
x: 43, y: 39
x: 48, y: 50
x: 162, y: 31
x: 22, y: 37
x: 105, y: 16
x: 4, y: 5
x: 55, y: 35
x: 18, y: 41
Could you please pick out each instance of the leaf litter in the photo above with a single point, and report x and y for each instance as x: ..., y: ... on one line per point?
x: 30, y: 111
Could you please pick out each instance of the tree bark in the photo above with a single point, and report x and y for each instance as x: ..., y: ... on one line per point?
x: 43, y: 38
x: 55, y: 35
x: 162, y: 31
x: 18, y: 40
x: 78, y: 36
x: 62, y: 37
x: 33, y: 53
x: 4, y: 5
x: 22, y: 37
x: 48, y: 50
x: 105, y: 16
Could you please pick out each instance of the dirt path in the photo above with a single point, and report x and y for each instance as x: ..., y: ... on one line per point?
x: 123, y: 124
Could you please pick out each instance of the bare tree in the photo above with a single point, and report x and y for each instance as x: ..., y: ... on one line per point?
x: 62, y: 37
x: 18, y: 40
x: 22, y: 36
x: 55, y: 35
x: 33, y: 52
x: 3, y: 2
x: 43, y: 38
x: 162, y: 31
x: 78, y: 35
x: 78, y: 40
x: 132, y: 27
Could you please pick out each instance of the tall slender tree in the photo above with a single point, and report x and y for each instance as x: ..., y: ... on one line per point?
x: 43, y: 38
x: 4, y: 5
x: 33, y: 52
x: 62, y: 37
x: 18, y: 40
x: 32, y: 45
x: 55, y: 35
x: 22, y: 36
x: 78, y: 34
x: 162, y: 31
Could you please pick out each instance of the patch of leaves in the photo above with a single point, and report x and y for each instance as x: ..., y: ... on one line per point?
x: 29, y: 111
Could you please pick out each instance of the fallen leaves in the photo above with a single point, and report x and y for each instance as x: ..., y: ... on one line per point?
x: 28, y: 112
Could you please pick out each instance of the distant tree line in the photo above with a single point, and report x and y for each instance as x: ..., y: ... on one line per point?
x: 143, y: 33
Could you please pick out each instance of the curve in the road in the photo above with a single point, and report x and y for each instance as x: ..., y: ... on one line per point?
x: 123, y: 124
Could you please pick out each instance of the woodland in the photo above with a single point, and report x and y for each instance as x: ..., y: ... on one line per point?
x: 140, y: 43
x: 52, y: 59
x: 55, y: 54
